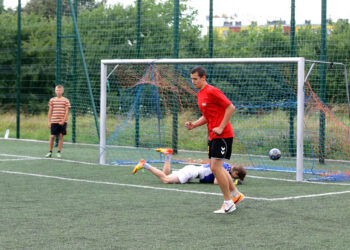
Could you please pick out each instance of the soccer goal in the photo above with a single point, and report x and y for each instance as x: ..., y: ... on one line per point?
x: 144, y: 104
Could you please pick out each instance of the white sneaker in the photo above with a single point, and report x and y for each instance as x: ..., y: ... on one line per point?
x: 226, y: 210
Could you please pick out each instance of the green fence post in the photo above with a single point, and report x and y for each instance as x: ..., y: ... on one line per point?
x: 18, y: 99
x: 138, y: 50
x: 175, y: 55
x: 58, y: 46
x: 138, y: 34
x: 74, y: 101
x: 323, y: 80
x: 76, y: 31
x: 58, y: 40
x: 292, y: 54
x: 211, y: 40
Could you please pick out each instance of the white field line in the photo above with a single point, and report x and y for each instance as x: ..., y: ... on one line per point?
x: 106, y: 182
x: 22, y: 159
x: 289, y: 180
x: 21, y: 156
x: 169, y: 189
x: 180, y: 150
x: 90, y: 163
x: 52, y: 159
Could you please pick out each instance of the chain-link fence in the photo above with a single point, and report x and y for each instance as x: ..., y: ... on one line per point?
x: 62, y: 42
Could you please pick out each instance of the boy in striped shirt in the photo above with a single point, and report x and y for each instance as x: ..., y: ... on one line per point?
x: 58, y: 114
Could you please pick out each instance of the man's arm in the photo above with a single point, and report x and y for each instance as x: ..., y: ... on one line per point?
x: 228, y: 114
x: 201, y: 121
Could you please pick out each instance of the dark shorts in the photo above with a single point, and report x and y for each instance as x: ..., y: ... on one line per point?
x: 57, y: 129
x: 220, y: 148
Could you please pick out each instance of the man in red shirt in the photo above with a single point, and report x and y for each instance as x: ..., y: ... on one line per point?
x: 216, y: 110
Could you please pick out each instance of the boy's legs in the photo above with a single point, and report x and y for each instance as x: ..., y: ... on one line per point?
x: 60, y: 142
x: 236, y: 195
x: 158, y: 173
x: 52, y: 139
x: 162, y: 176
x: 220, y: 149
x: 62, y: 132
x: 166, y: 167
x: 232, y: 186
x: 219, y: 173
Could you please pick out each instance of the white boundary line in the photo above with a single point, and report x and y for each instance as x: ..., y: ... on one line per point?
x: 23, y: 159
x: 97, y: 164
x: 180, y: 150
x: 169, y: 189
x: 289, y: 180
x: 53, y: 159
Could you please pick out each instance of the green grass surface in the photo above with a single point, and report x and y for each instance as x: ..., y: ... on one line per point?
x: 73, y: 205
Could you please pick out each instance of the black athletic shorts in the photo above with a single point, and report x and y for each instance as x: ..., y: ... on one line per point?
x: 220, y: 148
x: 57, y: 129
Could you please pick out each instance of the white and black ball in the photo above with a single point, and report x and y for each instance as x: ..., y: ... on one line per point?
x: 275, y: 154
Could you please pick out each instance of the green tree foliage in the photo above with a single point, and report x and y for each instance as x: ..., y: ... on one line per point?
x: 111, y: 32
x: 2, y: 6
x: 8, y: 40
x: 47, y: 8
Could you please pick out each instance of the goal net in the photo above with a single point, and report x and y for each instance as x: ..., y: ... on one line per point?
x: 145, y: 103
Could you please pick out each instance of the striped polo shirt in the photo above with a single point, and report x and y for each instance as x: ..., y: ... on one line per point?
x: 58, y: 108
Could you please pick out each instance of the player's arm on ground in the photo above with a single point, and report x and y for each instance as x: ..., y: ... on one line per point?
x: 201, y: 121
x: 228, y: 114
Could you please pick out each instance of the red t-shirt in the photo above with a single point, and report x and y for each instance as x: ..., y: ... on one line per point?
x: 213, y: 103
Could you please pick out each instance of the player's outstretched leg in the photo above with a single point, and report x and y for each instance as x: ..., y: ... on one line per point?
x: 139, y: 166
x: 165, y: 151
x: 168, y: 152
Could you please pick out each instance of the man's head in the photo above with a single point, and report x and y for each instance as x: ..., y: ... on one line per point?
x: 59, y: 90
x: 238, y: 172
x: 199, y: 77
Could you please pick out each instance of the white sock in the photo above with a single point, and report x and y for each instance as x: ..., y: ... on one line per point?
x: 228, y: 203
x: 168, y: 157
x: 146, y: 166
x: 235, y: 192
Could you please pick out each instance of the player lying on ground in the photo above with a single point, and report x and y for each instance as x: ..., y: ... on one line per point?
x: 191, y: 172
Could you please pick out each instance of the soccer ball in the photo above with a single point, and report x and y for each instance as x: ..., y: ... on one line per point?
x: 275, y: 154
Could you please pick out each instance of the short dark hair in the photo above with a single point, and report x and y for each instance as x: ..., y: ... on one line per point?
x: 241, y: 171
x: 200, y: 70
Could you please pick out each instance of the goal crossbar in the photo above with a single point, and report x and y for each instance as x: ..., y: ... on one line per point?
x: 204, y: 60
x: 300, y: 61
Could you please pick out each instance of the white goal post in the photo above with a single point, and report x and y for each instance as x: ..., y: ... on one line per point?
x: 300, y: 61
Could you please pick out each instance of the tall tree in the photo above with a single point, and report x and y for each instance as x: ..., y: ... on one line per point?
x: 47, y: 8
x: 2, y: 6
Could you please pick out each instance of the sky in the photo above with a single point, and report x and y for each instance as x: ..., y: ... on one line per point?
x: 261, y: 11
